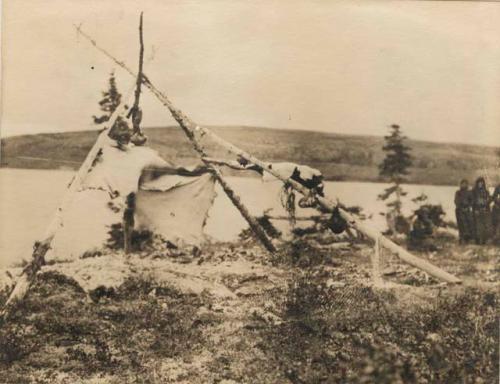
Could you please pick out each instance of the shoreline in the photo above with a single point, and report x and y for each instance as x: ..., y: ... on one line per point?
x: 251, y: 175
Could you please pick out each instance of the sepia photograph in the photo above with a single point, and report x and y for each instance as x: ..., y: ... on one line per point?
x: 250, y: 191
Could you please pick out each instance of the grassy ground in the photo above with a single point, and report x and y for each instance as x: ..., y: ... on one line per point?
x: 304, y: 315
x: 339, y: 157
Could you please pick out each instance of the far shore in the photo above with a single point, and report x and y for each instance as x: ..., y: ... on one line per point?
x: 339, y: 157
x: 232, y: 173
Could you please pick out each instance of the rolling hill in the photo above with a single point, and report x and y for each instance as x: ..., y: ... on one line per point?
x: 339, y: 156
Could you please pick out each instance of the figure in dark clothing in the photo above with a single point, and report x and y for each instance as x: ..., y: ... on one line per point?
x: 481, y: 200
x: 420, y: 237
x: 463, y: 212
x: 495, y: 214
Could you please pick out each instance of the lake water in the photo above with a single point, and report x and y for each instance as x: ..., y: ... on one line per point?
x: 28, y: 199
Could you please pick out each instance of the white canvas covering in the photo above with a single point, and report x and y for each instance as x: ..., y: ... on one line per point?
x: 167, y: 202
x: 286, y: 169
x: 176, y: 207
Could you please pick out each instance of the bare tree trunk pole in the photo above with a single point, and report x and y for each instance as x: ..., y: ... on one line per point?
x: 42, y: 247
x: 135, y: 111
x: 141, y: 62
x: 329, y: 205
x: 190, y: 128
x: 187, y: 126
x: 252, y: 222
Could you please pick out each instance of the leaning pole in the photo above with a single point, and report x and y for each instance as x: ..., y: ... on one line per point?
x: 191, y: 129
x: 186, y: 126
x: 259, y: 232
x: 42, y: 247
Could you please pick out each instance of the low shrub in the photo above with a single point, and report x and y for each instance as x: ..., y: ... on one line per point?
x: 358, y: 335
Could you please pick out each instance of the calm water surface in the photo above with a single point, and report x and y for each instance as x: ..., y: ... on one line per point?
x: 28, y: 199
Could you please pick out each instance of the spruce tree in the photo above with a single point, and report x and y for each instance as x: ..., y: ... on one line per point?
x: 111, y: 99
x: 394, y: 168
x: 120, y: 131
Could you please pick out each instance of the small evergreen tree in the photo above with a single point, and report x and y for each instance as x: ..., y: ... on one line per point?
x: 110, y: 101
x: 394, y: 167
x: 120, y: 131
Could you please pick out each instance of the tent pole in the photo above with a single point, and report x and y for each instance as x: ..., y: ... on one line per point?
x: 186, y: 124
x: 325, y: 203
x: 329, y: 205
x: 252, y: 222
x: 41, y: 248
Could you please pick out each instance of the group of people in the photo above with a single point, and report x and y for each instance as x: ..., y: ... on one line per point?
x: 477, y: 212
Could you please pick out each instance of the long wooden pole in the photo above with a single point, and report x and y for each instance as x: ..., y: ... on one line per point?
x: 330, y: 206
x: 42, y: 247
x: 186, y: 125
x: 259, y: 232
x: 135, y: 112
x: 190, y: 129
x: 252, y: 222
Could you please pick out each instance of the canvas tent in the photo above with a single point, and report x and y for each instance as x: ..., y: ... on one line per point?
x: 175, y: 207
x: 168, y: 199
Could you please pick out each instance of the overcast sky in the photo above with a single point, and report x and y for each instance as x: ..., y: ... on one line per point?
x: 336, y: 66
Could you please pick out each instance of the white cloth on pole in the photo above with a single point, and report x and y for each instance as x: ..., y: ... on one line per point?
x: 174, y: 202
x: 286, y: 170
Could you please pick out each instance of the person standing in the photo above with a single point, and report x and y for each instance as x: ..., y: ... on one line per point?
x: 463, y: 212
x: 481, y: 200
x: 495, y: 214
